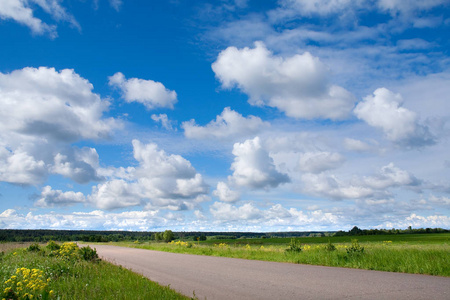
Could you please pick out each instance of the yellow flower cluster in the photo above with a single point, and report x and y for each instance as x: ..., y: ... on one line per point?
x: 27, y: 284
x: 221, y: 245
x: 68, y: 250
x: 179, y: 243
x: 248, y: 247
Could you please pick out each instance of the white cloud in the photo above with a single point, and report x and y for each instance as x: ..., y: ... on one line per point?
x: 115, y: 194
x: 297, y: 85
x: 164, y: 120
x: 367, y: 187
x: 227, y: 125
x: 383, y: 110
x: 116, y: 4
x: 21, y: 11
x: 225, y: 194
x: 43, y: 112
x: 80, y: 165
x: 329, y: 186
x: 391, y: 176
x: 20, y: 168
x: 356, y: 145
x: 253, y: 167
x: 159, y: 181
x: 316, y: 162
x: 225, y: 211
x: 50, y: 198
x: 53, y: 105
x: 150, y: 93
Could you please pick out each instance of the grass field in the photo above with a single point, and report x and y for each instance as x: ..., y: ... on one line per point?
x: 407, y: 253
x: 45, y: 274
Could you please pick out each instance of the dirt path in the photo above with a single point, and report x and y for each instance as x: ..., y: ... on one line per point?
x: 229, y: 278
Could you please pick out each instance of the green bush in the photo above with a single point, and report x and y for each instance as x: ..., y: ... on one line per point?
x: 330, y: 246
x: 52, y: 246
x: 89, y: 254
x: 294, y: 246
x: 34, y: 248
x: 355, y: 248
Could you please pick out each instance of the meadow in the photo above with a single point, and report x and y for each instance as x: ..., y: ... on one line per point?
x: 65, y: 271
x: 407, y: 253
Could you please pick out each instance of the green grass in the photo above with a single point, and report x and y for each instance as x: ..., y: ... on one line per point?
x: 415, y: 253
x: 80, y: 279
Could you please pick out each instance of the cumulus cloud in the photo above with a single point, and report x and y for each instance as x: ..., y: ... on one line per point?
x: 225, y: 194
x: 150, y: 93
x: 298, y: 85
x: 374, y: 187
x: 129, y: 220
x: 317, y: 162
x: 391, y: 176
x: 164, y: 120
x: 21, y: 11
x: 80, y: 165
x: 384, y: 110
x: 356, y: 145
x: 50, y: 198
x: 160, y: 180
x: 21, y: 168
x: 59, y: 106
x: 43, y: 112
x: 253, y: 167
x: 227, y: 125
x: 274, y: 216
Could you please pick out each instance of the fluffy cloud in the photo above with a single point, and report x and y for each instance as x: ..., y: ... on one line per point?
x: 228, y: 124
x: 373, y: 187
x: 356, y: 145
x: 225, y: 194
x: 275, y: 215
x: 50, y: 198
x: 150, y: 93
x: 43, y: 111
x: 58, y: 106
x: 383, y: 110
x: 80, y: 165
x: 253, y: 167
x: 164, y: 120
x: 21, y: 12
x: 20, y: 168
x: 391, y: 176
x: 316, y: 162
x: 159, y: 181
x: 298, y: 85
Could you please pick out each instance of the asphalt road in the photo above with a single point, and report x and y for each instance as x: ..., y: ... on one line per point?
x: 229, y: 278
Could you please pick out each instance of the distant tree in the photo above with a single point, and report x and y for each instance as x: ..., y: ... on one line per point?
x: 168, y: 236
x: 355, y: 231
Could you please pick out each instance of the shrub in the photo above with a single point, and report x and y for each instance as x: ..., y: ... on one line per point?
x: 34, y: 248
x: 89, y: 254
x: 52, y: 246
x: 330, y: 246
x: 355, y: 248
x: 294, y: 246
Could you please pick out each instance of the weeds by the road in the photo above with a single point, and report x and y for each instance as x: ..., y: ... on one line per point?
x: 68, y: 272
x: 415, y: 256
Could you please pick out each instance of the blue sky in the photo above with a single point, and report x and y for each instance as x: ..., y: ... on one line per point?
x: 224, y: 115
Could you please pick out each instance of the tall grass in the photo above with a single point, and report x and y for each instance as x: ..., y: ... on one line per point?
x: 80, y: 279
x: 418, y: 256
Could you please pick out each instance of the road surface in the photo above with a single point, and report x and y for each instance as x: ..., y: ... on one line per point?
x: 229, y: 278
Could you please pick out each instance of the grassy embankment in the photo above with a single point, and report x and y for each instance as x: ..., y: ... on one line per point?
x: 408, y: 253
x: 42, y: 273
